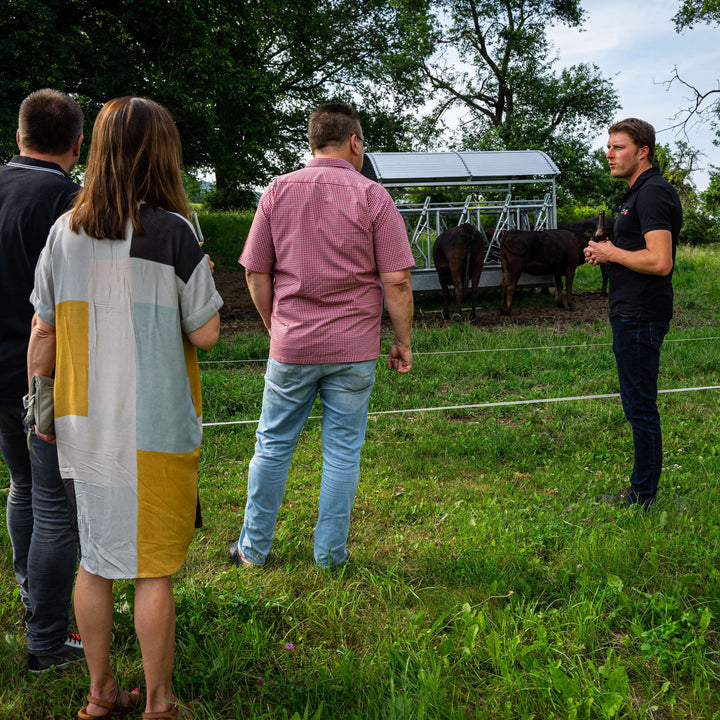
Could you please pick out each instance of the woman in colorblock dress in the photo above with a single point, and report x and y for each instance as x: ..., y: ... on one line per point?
x: 123, y: 296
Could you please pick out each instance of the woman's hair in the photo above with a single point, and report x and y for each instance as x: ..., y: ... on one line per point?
x: 135, y: 155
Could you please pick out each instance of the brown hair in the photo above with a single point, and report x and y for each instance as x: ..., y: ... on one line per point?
x: 642, y: 133
x: 49, y: 122
x: 332, y: 124
x: 135, y: 155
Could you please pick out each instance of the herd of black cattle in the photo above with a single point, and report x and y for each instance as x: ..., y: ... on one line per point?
x: 459, y: 255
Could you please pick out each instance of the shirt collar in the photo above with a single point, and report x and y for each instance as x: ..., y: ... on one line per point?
x: 330, y: 162
x: 34, y: 163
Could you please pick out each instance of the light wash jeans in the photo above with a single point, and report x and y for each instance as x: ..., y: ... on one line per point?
x: 43, y: 541
x: 290, y: 390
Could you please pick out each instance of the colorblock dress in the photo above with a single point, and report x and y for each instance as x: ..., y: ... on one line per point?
x: 128, y: 408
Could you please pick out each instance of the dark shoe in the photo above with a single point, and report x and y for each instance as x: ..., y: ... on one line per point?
x: 71, y: 651
x: 237, y: 558
x: 620, y: 498
x: 643, y: 501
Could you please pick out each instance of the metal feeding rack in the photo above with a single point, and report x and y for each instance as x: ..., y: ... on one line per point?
x: 495, y: 191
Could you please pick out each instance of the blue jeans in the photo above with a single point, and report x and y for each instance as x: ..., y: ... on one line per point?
x: 43, y: 541
x: 288, y: 397
x: 636, y: 344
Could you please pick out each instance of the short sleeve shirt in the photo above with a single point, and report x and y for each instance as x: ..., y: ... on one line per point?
x: 650, y: 204
x: 325, y: 233
x: 33, y: 194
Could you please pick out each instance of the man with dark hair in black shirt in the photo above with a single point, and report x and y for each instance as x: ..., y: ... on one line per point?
x: 641, y: 264
x: 35, y: 189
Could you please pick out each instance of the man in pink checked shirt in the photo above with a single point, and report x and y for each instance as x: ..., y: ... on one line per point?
x: 326, y: 246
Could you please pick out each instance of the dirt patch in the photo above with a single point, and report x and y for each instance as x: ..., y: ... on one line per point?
x: 239, y: 314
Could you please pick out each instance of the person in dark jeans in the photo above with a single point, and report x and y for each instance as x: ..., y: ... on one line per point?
x: 641, y: 262
x: 35, y: 190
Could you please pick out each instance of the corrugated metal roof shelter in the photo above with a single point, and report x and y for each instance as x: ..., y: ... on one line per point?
x: 416, y: 169
x: 509, y: 189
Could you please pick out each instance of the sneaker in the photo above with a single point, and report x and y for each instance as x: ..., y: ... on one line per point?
x: 237, y: 558
x: 69, y: 652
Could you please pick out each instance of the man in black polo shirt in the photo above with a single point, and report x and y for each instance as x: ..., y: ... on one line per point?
x: 35, y: 190
x: 641, y: 263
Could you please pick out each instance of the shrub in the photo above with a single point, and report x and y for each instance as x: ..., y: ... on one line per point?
x: 699, y: 228
x: 225, y: 234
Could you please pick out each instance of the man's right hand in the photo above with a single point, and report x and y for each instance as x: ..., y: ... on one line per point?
x: 400, y: 358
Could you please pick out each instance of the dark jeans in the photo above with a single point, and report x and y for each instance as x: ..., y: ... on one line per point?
x: 44, y: 543
x: 636, y: 344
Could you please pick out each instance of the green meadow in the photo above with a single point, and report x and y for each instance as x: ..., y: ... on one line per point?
x: 485, y: 581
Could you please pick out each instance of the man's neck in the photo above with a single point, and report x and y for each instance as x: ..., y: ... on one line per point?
x: 631, y: 180
x: 63, y: 161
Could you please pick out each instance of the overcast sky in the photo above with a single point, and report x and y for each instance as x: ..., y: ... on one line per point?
x: 636, y: 46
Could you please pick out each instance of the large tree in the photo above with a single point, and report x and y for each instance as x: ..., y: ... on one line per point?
x: 495, y: 66
x: 238, y: 76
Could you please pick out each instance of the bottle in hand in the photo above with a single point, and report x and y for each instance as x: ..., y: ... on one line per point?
x: 600, y: 234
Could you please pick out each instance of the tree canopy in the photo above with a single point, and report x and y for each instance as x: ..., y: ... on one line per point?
x: 241, y: 76
x: 495, y: 67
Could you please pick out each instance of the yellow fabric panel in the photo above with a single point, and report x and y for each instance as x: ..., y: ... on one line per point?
x: 167, y: 498
x: 72, y: 358
x: 193, y: 372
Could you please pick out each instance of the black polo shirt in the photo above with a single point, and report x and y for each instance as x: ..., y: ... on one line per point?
x: 650, y: 204
x: 33, y: 194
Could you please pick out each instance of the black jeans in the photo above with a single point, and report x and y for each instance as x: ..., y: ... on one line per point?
x: 636, y: 344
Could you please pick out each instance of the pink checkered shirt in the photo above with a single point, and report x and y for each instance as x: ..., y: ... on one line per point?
x: 325, y: 233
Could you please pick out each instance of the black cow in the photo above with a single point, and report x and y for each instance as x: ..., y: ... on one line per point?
x: 539, y: 252
x: 586, y: 229
x: 459, y: 252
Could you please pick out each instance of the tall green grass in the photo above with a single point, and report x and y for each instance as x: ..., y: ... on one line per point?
x: 485, y: 581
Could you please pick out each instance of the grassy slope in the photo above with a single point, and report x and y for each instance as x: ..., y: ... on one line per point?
x: 485, y: 582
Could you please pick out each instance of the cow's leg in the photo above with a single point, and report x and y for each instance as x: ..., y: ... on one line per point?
x: 569, y: 277
x: 458, y: 279
x: 604, y: 273
x: 475, y: 272
x: 559, y: 290
x: 507, y: 290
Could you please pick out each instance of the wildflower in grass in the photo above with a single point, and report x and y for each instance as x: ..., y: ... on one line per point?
x: 436, y: 543
x: 453, y: 555
x: 455, y: 529
x: 289, y: 646
x: 259, y: 682
x: 579, y: 565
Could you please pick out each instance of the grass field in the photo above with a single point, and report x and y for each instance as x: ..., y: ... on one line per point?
x: 485, y: 581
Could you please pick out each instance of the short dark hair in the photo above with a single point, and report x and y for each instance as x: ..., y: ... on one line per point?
x: 49, y: 122
x: 641, y: 132
x: 332, y: 124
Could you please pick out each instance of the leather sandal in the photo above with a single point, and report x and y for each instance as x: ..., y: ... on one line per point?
x: 114, y: 709
x: 171, y: 714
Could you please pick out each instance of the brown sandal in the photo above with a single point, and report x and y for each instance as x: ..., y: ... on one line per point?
x: 179, y: 711
x: 114, y: 709
x: 171, y: 714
